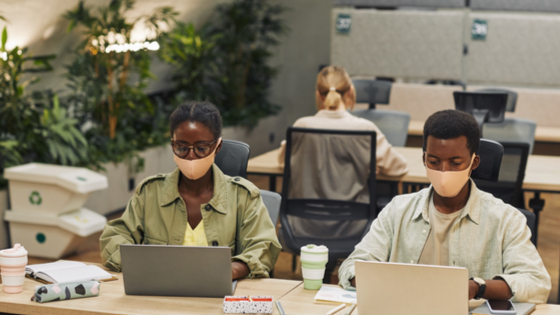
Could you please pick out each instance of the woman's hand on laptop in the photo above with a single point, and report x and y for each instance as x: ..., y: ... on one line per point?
x: 239, y: 270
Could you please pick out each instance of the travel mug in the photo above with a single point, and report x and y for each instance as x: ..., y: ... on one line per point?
x: 313, y: 261
x: 12, y: 268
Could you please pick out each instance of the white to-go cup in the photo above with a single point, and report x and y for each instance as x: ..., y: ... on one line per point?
x: 12, y: 268
x: 313, y: 261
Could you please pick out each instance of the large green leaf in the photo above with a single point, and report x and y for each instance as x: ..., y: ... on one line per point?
x: 4, y: 38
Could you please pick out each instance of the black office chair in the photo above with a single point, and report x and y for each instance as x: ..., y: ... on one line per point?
x: 509, y: 186
x: 511, y: 97
x: 501, y: 172
x: 531, y: 223
x: 328, y: 191
x: 233, y: 158
x: 272, y: 201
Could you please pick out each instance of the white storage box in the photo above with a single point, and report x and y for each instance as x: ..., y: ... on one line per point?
x: 52, y: 189
x: 44, y: 235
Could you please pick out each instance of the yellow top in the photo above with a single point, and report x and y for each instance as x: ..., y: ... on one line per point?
x: 196, y: 237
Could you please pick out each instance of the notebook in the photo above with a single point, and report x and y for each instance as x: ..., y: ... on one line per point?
x: 395, y: 288
x: 66, y: 271
x: 168, y: 270
x: 335, y: 295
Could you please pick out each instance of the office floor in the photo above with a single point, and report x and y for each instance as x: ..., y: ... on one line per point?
x: 548, y: 246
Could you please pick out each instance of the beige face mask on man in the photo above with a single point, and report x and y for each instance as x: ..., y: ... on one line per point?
x: 448, y: 184
x: 195, y: 169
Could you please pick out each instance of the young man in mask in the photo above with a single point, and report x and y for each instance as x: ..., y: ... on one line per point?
x: 453, y: 223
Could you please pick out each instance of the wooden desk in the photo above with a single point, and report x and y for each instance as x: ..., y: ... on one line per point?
x: 113, y: 300
x: 542, y: 173
x: 301, y: 301
x: 542, y: 134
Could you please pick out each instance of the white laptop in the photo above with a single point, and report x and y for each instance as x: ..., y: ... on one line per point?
x: 177, y: 270
x: 394, y: 288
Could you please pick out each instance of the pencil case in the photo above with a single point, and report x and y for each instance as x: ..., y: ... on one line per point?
x: 65, y: 291
x: 248, y: 304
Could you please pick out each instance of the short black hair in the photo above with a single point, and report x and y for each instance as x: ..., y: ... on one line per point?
x: 450, y: 124
x: 205, y: 113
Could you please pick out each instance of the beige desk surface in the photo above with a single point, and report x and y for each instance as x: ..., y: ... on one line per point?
x: 542, y: 134
x: 301, y: 301
x: 542, y: 173
x: 113, y: 300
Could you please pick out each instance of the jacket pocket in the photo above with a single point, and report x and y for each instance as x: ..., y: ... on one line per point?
x: 153, y: 241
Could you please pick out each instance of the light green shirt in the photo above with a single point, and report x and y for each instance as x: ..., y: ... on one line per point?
x: 234, y: 217
x: 490, y: 239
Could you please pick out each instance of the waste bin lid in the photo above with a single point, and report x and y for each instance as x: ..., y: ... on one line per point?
x: 76, y: 179
x: 82, y: 222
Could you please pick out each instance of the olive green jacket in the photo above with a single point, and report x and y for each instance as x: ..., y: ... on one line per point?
x: 235, y: 216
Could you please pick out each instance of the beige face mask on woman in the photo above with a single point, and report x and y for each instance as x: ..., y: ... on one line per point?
x: 448, y: 184
x: 195, y: 169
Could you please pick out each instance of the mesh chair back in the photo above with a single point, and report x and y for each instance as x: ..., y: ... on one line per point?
x: 393, y: 124
x: 511, y: 99
x: 272, y: 203
x: 328, y: 192
x: 233, y: 158
x: 372, y: 91
x: 512, y: 130
x: 511, y: 174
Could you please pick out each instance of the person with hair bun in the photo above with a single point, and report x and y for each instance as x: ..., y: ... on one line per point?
x: 334, y: 95
x: 197, y: 205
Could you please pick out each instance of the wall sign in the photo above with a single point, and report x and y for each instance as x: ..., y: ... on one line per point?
x: 343, y: 23
x: 479, y: 29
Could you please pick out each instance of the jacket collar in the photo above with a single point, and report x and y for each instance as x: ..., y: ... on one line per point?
x: 472, y: 208
x: 219, y: 198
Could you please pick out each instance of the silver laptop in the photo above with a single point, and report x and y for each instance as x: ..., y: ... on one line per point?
x: 176, y: 270
x: 394, y: 288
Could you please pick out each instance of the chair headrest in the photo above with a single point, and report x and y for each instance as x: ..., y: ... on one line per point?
x: 491, y: 153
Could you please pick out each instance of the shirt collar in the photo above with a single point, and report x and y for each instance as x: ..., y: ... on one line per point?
x: 219, y: 198
x: 332, y: 113
x: 472, y: 208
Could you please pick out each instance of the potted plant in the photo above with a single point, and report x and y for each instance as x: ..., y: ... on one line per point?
x: 34, y: 128
x: 106, y: 79
x: 226, y: 61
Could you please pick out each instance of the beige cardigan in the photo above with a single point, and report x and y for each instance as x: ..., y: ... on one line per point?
x: 389, y: 162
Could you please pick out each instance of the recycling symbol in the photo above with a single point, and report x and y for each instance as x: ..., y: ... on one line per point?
x: 35, y: 198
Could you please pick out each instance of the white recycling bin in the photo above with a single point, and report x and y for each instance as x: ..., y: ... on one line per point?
x: 53, y: 237
x: 51, y: 189
x: 46, y: 213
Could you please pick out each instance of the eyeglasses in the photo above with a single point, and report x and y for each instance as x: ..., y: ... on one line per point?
x: 201, y: 149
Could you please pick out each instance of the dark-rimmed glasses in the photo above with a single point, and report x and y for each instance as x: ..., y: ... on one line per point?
x: 201, y: 149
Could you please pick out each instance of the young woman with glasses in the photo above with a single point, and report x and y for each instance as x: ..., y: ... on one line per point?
x: 197, y: 204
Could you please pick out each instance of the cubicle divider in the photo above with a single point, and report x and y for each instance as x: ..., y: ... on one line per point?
x: 516, y: 5
x: 512, y: 48
x: 417, y: 44
x: 519, y: 49
x: 402, y: 3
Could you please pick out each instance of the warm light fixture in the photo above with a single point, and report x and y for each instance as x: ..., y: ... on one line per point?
x: 120, y: 48
x: 117, y: 43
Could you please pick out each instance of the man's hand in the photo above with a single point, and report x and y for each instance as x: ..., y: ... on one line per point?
x: 473, y: 289
x: 496, y: 289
